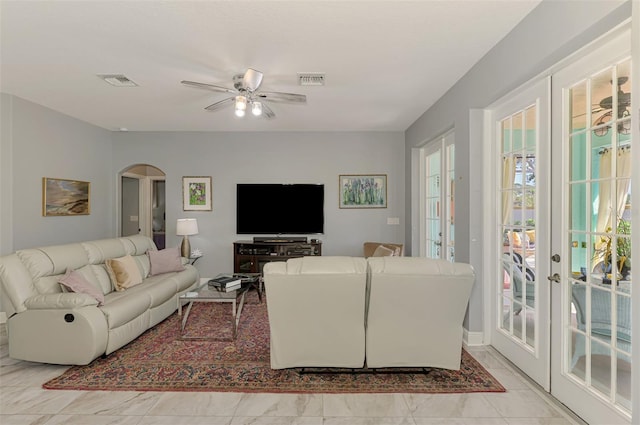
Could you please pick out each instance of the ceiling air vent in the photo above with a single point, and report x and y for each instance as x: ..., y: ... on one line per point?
x: 311, y: 78
x: 118, y: 80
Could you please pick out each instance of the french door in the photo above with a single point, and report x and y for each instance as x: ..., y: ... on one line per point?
x: 561, y: 281
x: 591, y: 364
x: 437, y: 221
x: 520, y: 231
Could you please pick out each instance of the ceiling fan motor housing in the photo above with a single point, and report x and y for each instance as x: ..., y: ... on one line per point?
x: 238, y: 82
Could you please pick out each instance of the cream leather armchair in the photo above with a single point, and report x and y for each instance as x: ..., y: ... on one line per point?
x: 415, y: 312
x: 316, y: 309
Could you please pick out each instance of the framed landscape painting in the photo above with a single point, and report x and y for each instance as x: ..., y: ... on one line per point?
x: 196, y: 193
x: 363, y: 190
x: 62, y: 197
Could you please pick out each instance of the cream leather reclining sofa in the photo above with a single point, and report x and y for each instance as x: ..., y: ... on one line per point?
x: 316, y: 311
x: 380, y: 312
x: 46, y: 324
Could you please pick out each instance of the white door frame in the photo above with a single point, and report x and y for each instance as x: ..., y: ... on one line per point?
x: 141, y: 199
x: 145, y: 209
x: 533, y: 361
x: 418, y: 157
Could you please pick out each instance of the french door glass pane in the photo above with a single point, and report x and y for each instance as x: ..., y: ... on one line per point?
x: 517, y: 289
x: 433, y: 201
x: 578, y: 106
x: 450, y: 170
x: 439, y: 199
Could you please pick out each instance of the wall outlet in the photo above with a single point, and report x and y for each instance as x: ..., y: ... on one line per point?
x: 133, y: 218
x: 393, y: 220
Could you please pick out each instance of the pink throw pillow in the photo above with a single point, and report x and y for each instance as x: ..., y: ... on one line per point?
x: 75, y: 282
x: 165, y: 261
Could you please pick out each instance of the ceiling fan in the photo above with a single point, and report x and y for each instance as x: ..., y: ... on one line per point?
x: 606, y: 104
x: 247, y: 95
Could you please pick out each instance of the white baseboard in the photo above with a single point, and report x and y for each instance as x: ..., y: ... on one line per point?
x: 471, y: 339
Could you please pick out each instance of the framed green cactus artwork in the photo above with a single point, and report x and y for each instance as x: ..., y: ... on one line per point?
x: 363, y: 190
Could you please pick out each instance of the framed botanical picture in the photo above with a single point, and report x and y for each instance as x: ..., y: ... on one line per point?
x: 62, y: 197
x: 196, y: 193
x: 363, y: 190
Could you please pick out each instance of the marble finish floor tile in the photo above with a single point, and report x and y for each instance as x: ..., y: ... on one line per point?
x: 539, y: 421
x: 460, y: 421
x: 521, y: 404
x: 185, y: 420
x: 365, y: 405
x: 510, y: 380
x: 276, y: 420
x: 113, y: 403
x: 32, y: 400
x: 280, y: 405
x: 195, y: 404
x: 450, y: 406
x: 26, y: 374
x: 93, y: 420
x: 369, y: 421
x: 24, y: 419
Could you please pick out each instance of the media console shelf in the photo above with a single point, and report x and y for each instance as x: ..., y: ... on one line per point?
x: 251, y: 256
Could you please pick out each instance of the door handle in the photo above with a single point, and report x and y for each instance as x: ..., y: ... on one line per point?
x: 554, y: 278
x: 555, y: 258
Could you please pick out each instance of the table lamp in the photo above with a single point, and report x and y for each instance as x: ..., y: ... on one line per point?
x: 186, y: 227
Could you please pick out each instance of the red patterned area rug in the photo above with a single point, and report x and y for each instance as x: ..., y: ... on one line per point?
x: 159, y: 361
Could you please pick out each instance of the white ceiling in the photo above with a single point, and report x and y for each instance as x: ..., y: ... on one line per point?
x: 386, y: 62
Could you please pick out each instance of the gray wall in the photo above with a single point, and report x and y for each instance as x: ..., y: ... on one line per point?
x: 288, y: 157
x: 38, y: 142
x: 551, y: 32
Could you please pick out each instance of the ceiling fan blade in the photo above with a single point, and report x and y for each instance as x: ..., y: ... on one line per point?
x: 252, y: 79
x: 267, y: 112
x: 220, y: 104
x: 606, y: 103
x: 282, y: 97
x: 208, y: 86
x: 624, y: 100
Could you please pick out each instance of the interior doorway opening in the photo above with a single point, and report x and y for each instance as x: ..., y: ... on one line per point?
x: 142, y: 202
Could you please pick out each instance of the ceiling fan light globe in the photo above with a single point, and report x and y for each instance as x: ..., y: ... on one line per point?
x: 241, y: 103
x: 601, y: 131
x: 239, y: 112
x: 256, y: 109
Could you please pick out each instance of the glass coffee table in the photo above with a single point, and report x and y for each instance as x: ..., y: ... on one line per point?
x: 206, y: 294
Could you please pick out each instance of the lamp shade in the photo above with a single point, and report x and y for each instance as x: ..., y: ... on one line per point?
x: 187, y: 226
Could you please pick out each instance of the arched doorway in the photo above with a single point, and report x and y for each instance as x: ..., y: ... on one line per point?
x: 142, y: 202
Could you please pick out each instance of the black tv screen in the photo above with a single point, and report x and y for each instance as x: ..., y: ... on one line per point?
x: 279, y: 209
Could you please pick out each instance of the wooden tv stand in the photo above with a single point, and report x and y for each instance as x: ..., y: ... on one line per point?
x: 251, y: 256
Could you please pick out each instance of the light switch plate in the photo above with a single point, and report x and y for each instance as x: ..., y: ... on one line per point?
x: 393, y: 220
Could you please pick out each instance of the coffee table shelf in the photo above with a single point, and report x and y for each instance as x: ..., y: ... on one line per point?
x: 205, y: 294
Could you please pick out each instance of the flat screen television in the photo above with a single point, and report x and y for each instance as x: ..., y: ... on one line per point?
x: 279, y: 209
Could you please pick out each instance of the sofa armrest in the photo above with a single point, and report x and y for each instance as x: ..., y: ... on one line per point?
x: 65, y: 300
